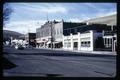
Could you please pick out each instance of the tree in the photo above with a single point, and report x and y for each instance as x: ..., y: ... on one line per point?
x: 7, y: 10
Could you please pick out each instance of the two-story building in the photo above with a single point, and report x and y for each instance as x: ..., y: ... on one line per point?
x: 31, y: 39
x: 51, y: 33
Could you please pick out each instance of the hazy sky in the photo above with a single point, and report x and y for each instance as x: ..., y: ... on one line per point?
x: 28, y: 13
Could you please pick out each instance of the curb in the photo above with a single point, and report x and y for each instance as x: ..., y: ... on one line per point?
x: 84, y: 52
x: 65, y: 54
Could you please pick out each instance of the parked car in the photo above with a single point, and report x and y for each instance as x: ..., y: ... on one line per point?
x: 20, y: 47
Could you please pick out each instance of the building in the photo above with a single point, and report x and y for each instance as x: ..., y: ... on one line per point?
x: 86, y: 37
x: 109, y: 36
x: 30, y: 38
x: 44, y: 35
x: 110, y: 39
x: 52, y: 32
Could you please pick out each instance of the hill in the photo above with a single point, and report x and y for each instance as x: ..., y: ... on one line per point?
x: 7, y: 34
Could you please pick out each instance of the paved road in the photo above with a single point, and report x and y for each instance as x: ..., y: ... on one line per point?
x: 65, y: 66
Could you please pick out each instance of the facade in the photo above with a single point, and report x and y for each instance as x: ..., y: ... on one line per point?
x: 90, y: 37
x: 81, y: 41
x: 52, y: 32
x: 30, y: 38
x: 87, y: 37
x: 110, y: 39
x: 44, y: 35
x: 109, y: 36
x: 74, y: 36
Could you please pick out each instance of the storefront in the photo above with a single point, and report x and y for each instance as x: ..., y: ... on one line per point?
x: 81, y: 41
x: 110, y: 42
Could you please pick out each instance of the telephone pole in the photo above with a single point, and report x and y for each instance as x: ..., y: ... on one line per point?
x: 51, y: 36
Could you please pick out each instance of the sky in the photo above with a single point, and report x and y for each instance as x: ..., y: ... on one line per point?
x: 29, y: 16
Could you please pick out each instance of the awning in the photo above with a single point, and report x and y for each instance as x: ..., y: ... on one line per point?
x: 40, y: 41
x: 48, y: 42
x: 56, y: 42
x: 15, y: 40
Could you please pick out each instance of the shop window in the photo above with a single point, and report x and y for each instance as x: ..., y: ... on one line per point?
x: 88, y: 43
x: 68, y: 44
x: 75, y: 44
x: 72, y: 30
x: 75, y: 30
x: 85, y: 44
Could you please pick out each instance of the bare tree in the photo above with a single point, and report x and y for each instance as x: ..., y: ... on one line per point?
x: 7, y: 10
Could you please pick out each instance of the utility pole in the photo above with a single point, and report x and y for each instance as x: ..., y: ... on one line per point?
x: 47, y: 17
x: 28, y: 39
x: 51, y: 35
x: 112, y: 39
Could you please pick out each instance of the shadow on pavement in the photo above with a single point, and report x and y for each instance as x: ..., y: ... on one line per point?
x: 53, y: 75
x: 7, y: 64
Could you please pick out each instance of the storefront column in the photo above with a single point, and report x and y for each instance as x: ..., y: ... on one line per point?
x: 79, y: 41
x: 112, y: 44
x: 92, y: 40
x: 71, y: 41
x: 53, y: 45
x: 106, y: 42
x: 63, y: 41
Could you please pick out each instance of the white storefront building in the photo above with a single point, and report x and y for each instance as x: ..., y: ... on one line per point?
x: 81, y: 41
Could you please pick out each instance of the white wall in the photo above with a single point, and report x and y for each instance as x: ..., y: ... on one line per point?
x: 58, y: 31
x: 66, y: 40
x: 90, y: 36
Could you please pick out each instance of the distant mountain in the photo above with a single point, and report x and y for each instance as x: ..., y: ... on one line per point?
x: 7, y: 34
x: 110, y: 20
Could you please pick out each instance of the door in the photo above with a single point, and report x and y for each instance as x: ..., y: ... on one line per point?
x: 75, y: 45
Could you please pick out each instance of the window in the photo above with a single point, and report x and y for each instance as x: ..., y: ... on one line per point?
x: 56, y: 31
x: 82, y: 44
x: 60, y: 31
x: 108, y: 42
x: 104, y: 40
x: 88, y: 43
x: 69, y: 44
x: 65, y: 44
x: 75, y: 44
x: 68, y: 31
x: 75, y: 30
x: 72, y: 30
x: 85, y: 44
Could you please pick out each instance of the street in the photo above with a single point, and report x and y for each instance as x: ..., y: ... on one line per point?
x: 29, y: 64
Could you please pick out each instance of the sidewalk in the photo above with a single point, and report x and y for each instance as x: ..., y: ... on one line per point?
x: 87, y: 52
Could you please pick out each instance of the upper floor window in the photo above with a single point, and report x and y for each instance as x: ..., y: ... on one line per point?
x: 75, y: 30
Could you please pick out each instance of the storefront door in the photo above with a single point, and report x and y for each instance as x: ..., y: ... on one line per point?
x: 75, y: 45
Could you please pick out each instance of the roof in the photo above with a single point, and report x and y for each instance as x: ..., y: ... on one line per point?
x: 109, y: 20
